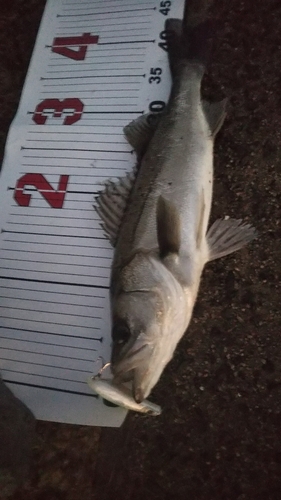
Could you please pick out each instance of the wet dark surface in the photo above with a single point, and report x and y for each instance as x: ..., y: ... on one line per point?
x: 218, y: 437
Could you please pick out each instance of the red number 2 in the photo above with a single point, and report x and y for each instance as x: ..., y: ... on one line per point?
x: 53, y: 197
x: 61, y: 45
x: 57, y: 106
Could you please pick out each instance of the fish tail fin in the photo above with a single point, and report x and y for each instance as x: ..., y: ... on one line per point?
x: 189, y: 40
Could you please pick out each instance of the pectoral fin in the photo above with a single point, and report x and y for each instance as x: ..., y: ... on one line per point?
x: 227, y: 236
x: 168, y: 227
x: 140, y: 131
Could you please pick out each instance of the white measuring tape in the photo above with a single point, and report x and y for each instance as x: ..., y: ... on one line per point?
x: 96, y: 66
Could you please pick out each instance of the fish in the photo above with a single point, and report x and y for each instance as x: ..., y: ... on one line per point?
x: 122, y: 396
x: 157, y: 218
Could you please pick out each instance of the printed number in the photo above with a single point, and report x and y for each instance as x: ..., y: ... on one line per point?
x: 58, y: 107
x: 156, y: 106
x: 164, y: 35
x: 155, y: 71
x: 61, y: 45
x: 164, y: 7
x: 55, y: 198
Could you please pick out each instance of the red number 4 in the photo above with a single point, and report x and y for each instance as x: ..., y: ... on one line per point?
x: 63, y: 45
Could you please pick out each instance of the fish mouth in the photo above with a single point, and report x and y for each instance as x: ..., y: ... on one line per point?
x: 138, y: 394
x: 133, y: 367
x: 130, y: 360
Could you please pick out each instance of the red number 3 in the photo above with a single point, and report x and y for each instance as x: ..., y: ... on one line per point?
x: 58, y: 107
x: 53, y: 197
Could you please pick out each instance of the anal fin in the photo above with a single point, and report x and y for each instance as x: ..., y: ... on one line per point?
x: 228, y: 235
x: 215, y: 114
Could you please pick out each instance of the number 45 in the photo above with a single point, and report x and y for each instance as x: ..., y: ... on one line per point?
x: 165, y: 7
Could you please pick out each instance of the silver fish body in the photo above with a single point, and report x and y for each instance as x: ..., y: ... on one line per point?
x: 161, y: 237
x: 178, y: 167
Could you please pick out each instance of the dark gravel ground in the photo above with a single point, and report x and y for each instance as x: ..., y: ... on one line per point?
x: 219, y: 437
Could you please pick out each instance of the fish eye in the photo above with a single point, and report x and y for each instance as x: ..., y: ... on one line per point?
x: 120, y: 334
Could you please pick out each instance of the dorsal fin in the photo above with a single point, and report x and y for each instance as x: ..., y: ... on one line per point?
x: 111, y: 204
x: 140, y: 131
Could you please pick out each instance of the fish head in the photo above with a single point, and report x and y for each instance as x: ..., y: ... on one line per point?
x: 136, y: 323
x: 150, y: 313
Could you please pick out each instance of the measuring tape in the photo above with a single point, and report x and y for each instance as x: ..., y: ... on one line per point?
x: 96, y: 66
